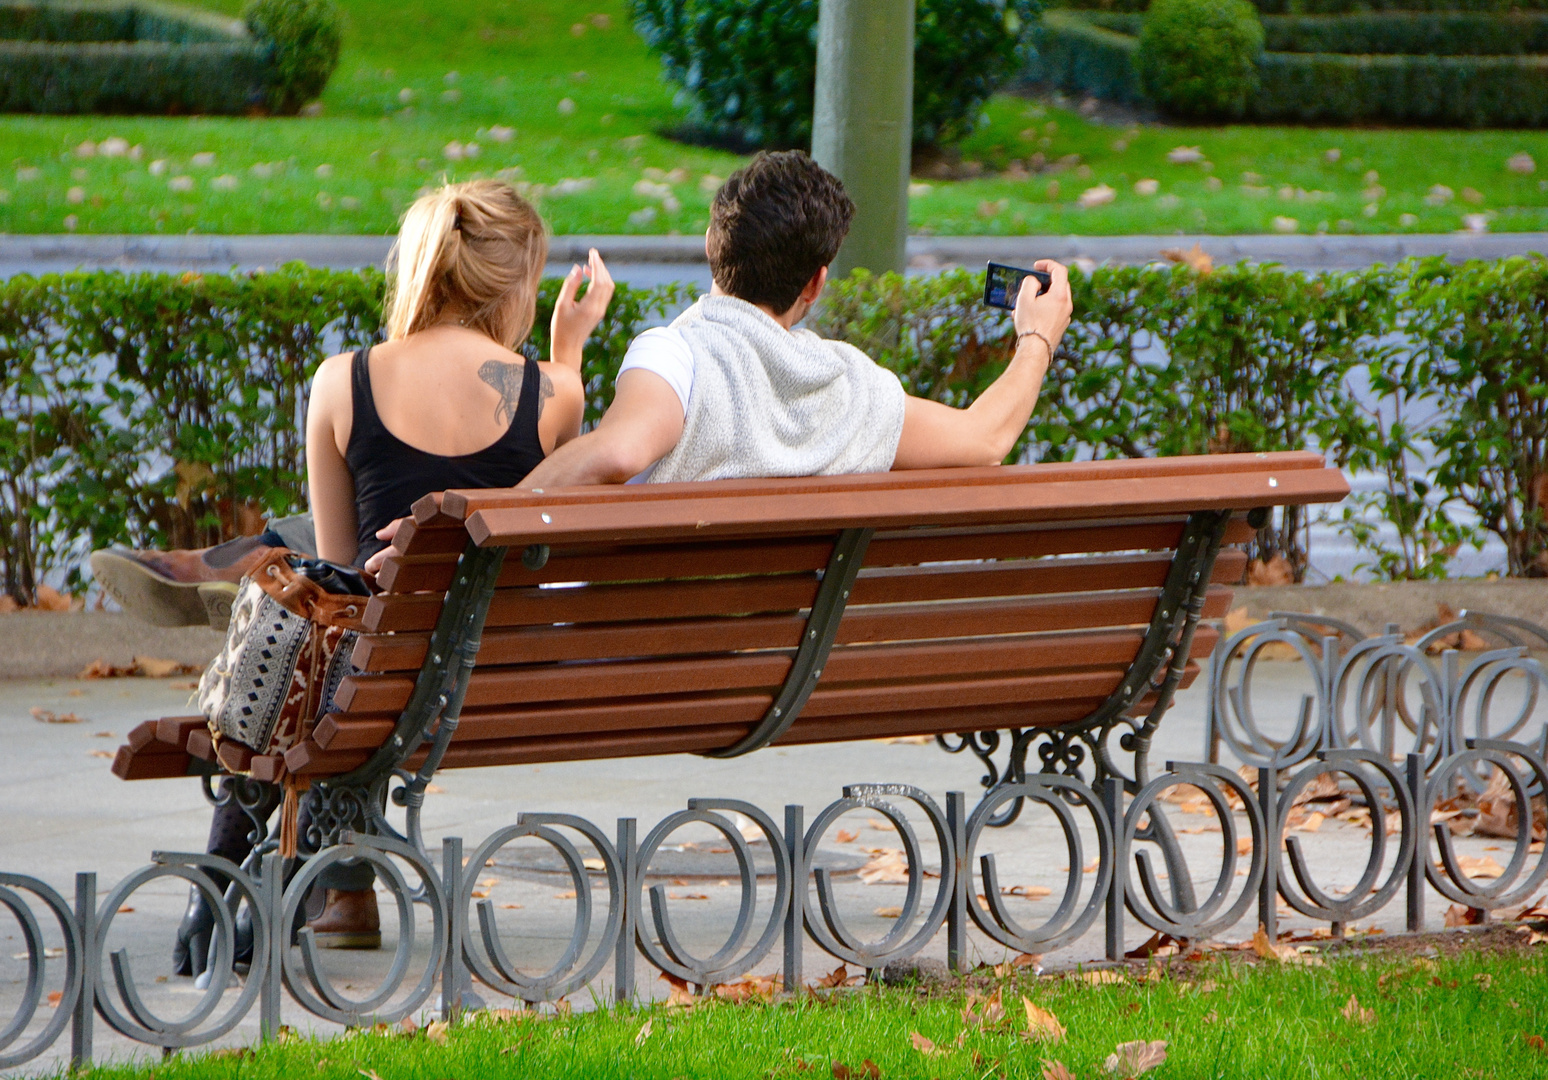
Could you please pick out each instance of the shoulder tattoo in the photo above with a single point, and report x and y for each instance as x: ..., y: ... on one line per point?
x: 506, y: 378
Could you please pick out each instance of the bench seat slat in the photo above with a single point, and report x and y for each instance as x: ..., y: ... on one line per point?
x: 1072, y: 666
x: 1036, y: 615
x: 421, y: 573
x: 529, y: 606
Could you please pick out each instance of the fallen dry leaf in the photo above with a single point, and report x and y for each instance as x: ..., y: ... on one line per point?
x: 643, y: 1033
x: 1198, y: 260
x: 510, y: 907
x: 481, y: 894
x: 125, y: 909
x: 925, y: 1046
x: 102, y: 753
x: 878, y: 824
x: 866, y: 1069
x: 1312, y: 823
x: 1056, y: 1070
x: 687, y: 896
x: 1104, y: 977
x: 1480, y: 866
x: 1042, y: 1025
x: 1029, y: 892
x: 844, y: 836
x: 565, y: 895
x: 889, y: 912
x: 436, y: 1031
x: 154, y: 667
x: 837, y: 977
x: 54, y: 998
x: 46, y: 716
x: 1459, y: 915
x: 1536, y: 1042
x: 1353, y: 1012
x: 888, y: 867
x: 1133, y: 1059
x: 679, y: 994
x: 1160, y: 944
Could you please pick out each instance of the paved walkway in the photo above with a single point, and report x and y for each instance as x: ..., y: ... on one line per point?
x: 647, y: 260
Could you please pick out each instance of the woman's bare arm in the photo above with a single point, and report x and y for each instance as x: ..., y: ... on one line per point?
x: 330, y: 488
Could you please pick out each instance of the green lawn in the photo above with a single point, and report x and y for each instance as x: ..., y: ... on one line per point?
x: 553, y: 92
x: 1473, y: 1014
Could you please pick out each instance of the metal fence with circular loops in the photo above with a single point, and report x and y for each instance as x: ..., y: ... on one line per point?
x: 1129, y: 857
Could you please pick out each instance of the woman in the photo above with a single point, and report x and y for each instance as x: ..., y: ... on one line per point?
x: 444, y: 402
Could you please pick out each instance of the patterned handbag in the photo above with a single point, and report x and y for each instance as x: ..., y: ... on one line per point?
x: 293, y: 628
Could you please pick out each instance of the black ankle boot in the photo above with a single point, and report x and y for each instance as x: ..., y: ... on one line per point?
x: 190, y: 953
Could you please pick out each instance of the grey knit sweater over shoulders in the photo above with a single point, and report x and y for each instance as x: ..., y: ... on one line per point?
x: 767, y: 401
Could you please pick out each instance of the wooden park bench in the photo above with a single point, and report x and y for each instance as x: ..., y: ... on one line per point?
x: 721, y: 617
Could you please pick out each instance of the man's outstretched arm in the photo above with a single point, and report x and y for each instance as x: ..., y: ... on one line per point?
x: 938, y: 436
x: 639, y: 428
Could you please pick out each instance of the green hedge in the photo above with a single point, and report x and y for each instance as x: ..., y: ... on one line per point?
x: 1077, y: 55
x: 153, y: 58
x: 155, y: 411
x: 1419, y: 33
x: 1461, y: 91
x: 1338, y: 7
x: 1090, y: 53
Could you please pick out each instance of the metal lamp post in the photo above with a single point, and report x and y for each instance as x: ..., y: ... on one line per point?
x: 862, y: 126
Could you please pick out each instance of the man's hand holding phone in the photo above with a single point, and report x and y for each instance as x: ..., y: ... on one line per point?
x: 1044, y: 313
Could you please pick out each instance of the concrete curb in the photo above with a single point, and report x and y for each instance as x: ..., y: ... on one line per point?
x: 56, y: 253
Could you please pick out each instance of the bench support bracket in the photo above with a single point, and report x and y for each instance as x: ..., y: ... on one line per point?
x: 1157, y: 669
x: 816, y: 642
x: 356, y: 801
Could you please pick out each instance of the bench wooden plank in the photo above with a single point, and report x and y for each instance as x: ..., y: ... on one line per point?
x: 464, y: 504
x: 420, y: 573
x: 543, y: 644
x: 901, y: 507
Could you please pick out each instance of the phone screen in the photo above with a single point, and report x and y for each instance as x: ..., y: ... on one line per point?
x: 1002, y: 284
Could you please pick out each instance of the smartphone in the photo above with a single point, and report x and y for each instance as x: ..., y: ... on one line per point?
x: 1002, y: 284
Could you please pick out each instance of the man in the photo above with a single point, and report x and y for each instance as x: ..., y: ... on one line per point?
x: 733, y: 389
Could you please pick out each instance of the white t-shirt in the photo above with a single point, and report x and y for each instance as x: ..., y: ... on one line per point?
x: 665, y: 352
x: 662, y: 351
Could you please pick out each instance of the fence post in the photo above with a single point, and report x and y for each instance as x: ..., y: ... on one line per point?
x: 1112, y: 802
x: 961, y: 882
x: 1416, y: 789
x: 795, y: 914
x: 91, y: 963
x: 1268, y: 888
x: 271, y: 900
x: 623, y: 949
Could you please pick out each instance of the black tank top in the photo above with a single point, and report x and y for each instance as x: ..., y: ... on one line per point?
x: 390, y: 475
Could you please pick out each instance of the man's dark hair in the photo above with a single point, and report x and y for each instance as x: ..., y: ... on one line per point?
x: 773, y: 225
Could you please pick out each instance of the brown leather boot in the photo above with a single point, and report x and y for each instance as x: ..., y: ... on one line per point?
x: 349, y: 920
x: 178, y: 588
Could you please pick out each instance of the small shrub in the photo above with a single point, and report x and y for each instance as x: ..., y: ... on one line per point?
x: 747, y: 68
x: 1198, y: 58
x: 304, y: 37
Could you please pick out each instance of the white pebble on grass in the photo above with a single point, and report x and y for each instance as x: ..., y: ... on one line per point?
x: 157, y: 167
x: 323, y: 171
x: 324, y: 200
x: 566, y: 106
x: 1214, y: 183
x: 1408, y: 221
x: 75, y: 196
x: 1332, y: 155
x: 1476, y: 223
x: 1521, y: 163
x: 86, y: 149
x: 453, y: 151
x: 1370, y: 209
x: 502, y: 134
x: 451, y: 97
x: 1100, y: 195
x: 572, y: 185
x: 642, y: 217
x: 181, y: 183
x: 709, y: 183
x: 1169, y: 201
x: 204, y: 159
x: 405, y: 95
x: 262, y: 170
x: 71, y: 222
x: 224, y: 182
x: 349, y: 202
x: 1146, y: 187
x: 471, y: 150
x: 114, y: 147
x: 28, y: 173
x: 1284, y: 224
x: 79, y: 174
x: 1438, y: 195
x: 1185, y: 155
x: 651, y: 190
x: 671, y: 205
x: 916, y: 190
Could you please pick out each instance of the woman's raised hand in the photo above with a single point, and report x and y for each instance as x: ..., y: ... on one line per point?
x: 575, y: 318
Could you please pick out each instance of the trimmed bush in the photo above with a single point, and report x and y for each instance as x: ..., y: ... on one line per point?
x: 747, y: 68
x: 152, y: 58
x: 1198, y: 58
x: 1080, y: 56
x: 304, y: 38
